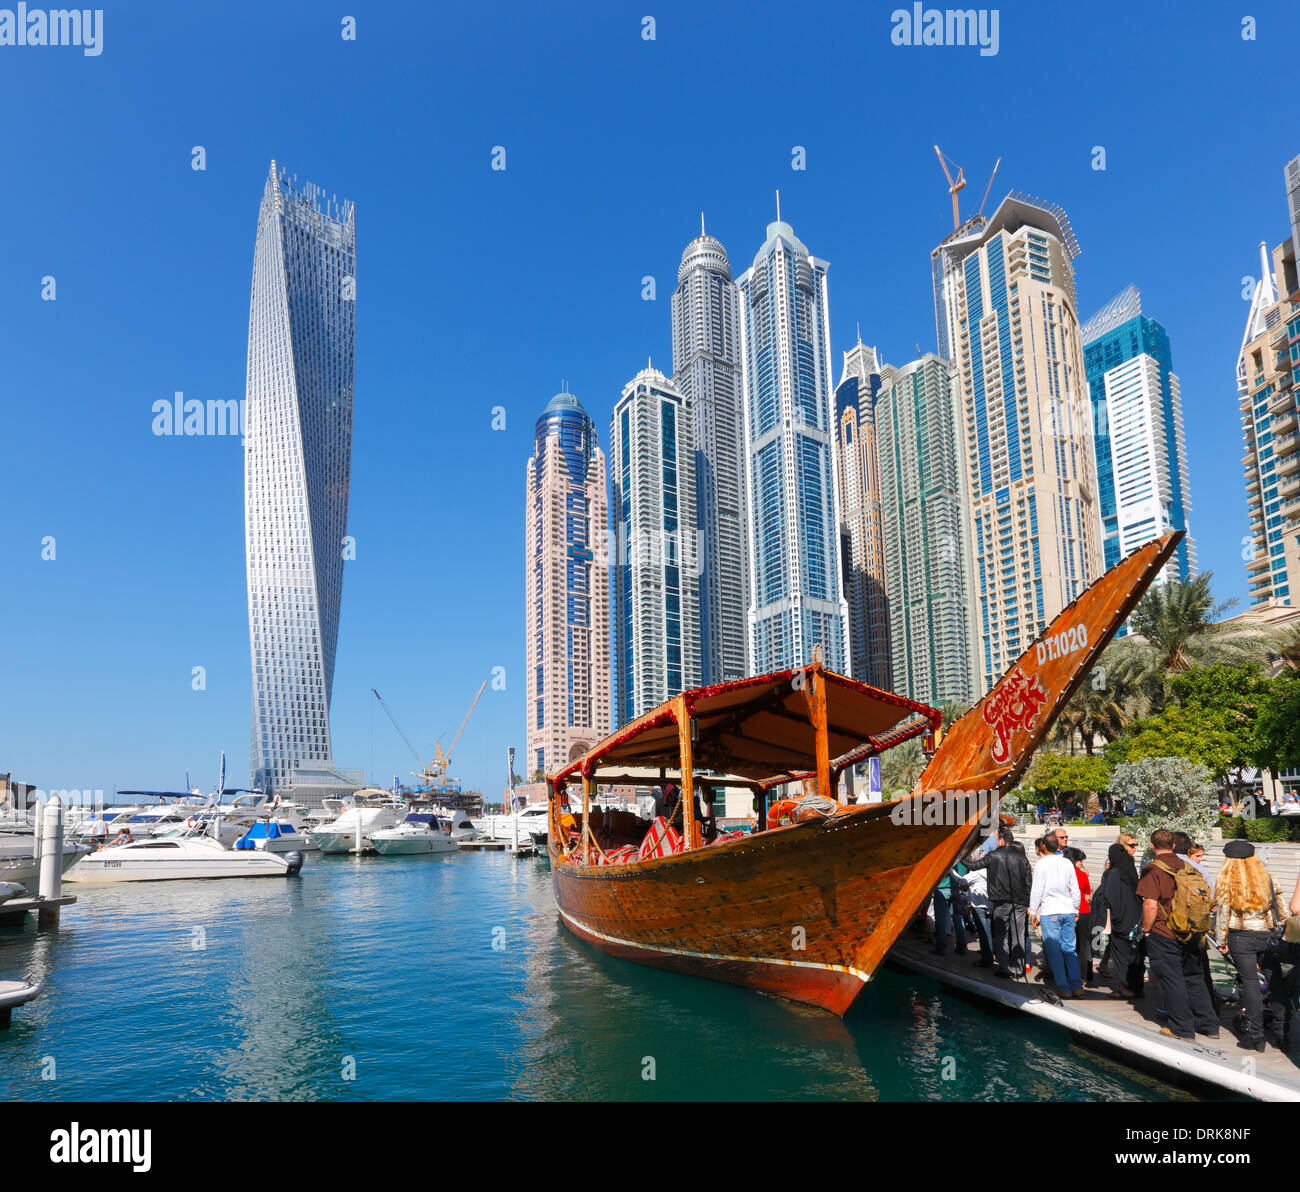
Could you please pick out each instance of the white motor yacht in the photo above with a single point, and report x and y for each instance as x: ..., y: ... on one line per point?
x: 371, y: 811
x: 177, y: 858
x: 528, y: 823
x: 19, y: 862
x: 418, y: 834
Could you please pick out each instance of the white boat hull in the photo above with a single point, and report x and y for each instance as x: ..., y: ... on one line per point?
x: 411, y: 845
x: 194, y: 858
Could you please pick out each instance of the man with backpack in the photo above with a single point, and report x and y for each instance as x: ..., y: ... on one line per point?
x: 1175, y: 919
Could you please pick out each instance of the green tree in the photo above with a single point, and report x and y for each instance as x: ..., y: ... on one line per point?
x: 1166, y: 792
x: 952, y: 712
x: 1179, y: 625
x: 1110, y: 698
x: 1209, y: 738
x: 901, y: 766
x: 1277, y: 727
x: 1057, y: 776
x: 1211, y: 718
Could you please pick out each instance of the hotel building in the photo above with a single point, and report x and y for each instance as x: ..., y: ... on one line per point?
x: 796, y: 601
x: 566, y: 580
x: 1033, y: 530
x: 655, y: 570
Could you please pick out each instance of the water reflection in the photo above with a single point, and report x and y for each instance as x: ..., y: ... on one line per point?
x: 450, y: 977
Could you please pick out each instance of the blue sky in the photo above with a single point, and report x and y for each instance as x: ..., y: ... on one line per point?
x: 479, y: 288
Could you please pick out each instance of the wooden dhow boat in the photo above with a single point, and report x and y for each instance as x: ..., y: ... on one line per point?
x: 807, y: 909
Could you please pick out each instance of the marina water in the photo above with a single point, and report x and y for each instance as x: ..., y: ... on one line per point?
x: 451, y: 978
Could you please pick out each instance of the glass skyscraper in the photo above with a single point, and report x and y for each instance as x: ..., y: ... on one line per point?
x: 796, y: 600
x: 706, y: 372
x: 925, y: 559
x: 655, y: 570
x: 1268, y: 380
x: 1141, y: 458
x: 862, y: 548
x: 297, y: 464
x: 566, y: 577
x: 1033, y: 534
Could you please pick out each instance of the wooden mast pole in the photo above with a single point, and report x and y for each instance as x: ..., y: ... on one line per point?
x: 586, y: 817
x: 683, y: 714
x: 818, y: 716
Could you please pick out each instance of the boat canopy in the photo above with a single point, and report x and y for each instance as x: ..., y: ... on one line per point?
x: 758, y: 732
x: 419, y: 817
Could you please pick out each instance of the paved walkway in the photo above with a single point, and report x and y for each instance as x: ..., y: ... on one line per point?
x: 1128, y: 1027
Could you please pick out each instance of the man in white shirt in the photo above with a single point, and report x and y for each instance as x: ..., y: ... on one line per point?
x: 1054, y: 907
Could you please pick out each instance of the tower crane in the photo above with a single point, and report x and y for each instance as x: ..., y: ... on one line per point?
x: 435, y: 773
x: 397, y: 726
x: 463, y: 723
x: 953, y: 187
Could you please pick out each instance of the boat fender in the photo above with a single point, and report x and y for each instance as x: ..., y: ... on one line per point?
x: 781, y: 812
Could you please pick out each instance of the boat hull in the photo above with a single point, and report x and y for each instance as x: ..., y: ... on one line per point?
x: 413, y: 846
x: 805, y: 912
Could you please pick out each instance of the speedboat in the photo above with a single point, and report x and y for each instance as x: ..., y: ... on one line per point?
x: 419, y: 833
x: 19, y: 862
x: 180, y: 857
x: 274, y: 836
x: 17, y: 993
x: 350, y: 831
x: 459, y: 826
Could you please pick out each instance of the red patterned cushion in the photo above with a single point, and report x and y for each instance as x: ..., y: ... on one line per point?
x: 661, y: 841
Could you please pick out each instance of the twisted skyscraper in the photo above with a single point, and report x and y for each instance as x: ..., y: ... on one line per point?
x: 297, y: 463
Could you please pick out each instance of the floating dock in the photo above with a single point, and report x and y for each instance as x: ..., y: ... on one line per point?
x: 12, y: 910
x: 1127, y: 1029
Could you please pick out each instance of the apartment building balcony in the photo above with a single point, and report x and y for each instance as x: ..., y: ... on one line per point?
x: 1281, y: 399
x: 1289, y: 484
x: 1258, y: 563
x: 1284, y: 421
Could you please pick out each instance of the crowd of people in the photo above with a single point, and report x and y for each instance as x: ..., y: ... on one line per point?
x: 1151, y: 923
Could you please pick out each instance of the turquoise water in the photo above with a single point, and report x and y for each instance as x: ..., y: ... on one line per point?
x: 376, y: 979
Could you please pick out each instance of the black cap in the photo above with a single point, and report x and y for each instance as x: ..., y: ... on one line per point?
x: 1238, y: 849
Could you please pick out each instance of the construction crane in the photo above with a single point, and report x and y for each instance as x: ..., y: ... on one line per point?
x: 418, y: 760
x: 953, y: 187
x: 463, y: 723
x: 960, y: 182
x: 989, y: 187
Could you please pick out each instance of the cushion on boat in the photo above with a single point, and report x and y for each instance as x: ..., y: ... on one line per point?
x: 661, y: 841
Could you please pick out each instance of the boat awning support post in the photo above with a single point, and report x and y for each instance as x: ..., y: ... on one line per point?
x: 683, y: 714
x: 815, y: 694
x: 587, y: 783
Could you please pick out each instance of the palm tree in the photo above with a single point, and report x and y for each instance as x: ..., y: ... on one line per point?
x: 1179, y: 625
x: 952, y: 712
x: 901, y: 766
x: 1107, y: 702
